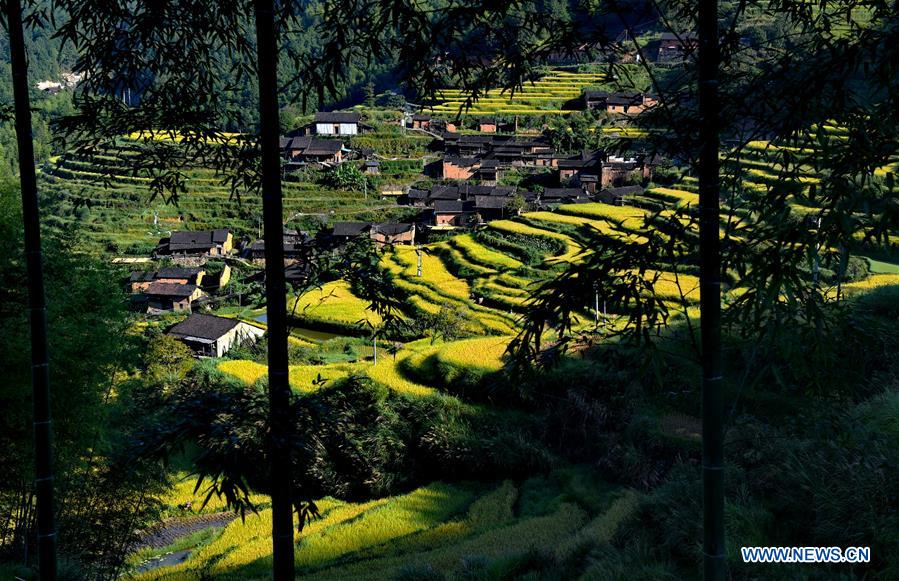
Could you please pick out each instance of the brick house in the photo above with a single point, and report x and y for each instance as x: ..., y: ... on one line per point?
x: 595, y: 99
x: 211, y: 336
x: 202, y: 243
x: 617, y: 196
x: 163, y: 297
x: 393, y: 233
x: 487, y: 125
x: 674, y: 47
x: 139, y: 281
x: 563, y: 195
x: 421, y: 121
x: 452, y: 212
x: 380, y: 233
x: 492, y: 207
x: 458, y: 168
x: 304, y: 150
x: 629, y: 103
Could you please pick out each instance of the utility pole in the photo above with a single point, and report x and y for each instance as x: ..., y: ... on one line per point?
x: 37, y: 306
x: 418, y: 254
x: 280, y: 417
x: 816, y: 266
x: 596, y: 307
x: 710, y: 295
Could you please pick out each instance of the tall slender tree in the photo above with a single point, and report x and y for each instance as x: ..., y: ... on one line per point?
x: 37, y: 307
x: 280, y: 418
x: 710, y: 295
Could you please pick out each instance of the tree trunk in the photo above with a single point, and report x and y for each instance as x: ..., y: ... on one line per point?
x: 280, y: 417
x: 710, y: 295
x: 37, y: 307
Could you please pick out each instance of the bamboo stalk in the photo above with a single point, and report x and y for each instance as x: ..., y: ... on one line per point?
x: 710, y: 295
x: 280, y: 427
x: 37, y: 305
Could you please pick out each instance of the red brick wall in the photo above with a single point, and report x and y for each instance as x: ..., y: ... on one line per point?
x: 442, y: 219
x: 454, y: 172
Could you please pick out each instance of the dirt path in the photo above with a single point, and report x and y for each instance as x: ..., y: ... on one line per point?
x: 174, y: 528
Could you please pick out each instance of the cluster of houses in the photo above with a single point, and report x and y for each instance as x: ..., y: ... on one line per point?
x: 485, y: 159
x: 618, y: 103
x: 315, y: 144
x: 465, y: 205
x: 478, y: 163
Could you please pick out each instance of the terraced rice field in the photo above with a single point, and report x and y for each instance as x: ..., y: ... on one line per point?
x: 434, y: 527
x: 120, y: 216
x: 554, y: 93
x: 334, y: 305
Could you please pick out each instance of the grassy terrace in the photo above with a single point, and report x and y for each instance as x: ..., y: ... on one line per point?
x: 552, y: 94
x: 433, y: 526
x: 119, y: 216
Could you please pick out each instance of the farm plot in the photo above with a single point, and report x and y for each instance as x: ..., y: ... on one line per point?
x: 552, y: 94
x: 434, y: 526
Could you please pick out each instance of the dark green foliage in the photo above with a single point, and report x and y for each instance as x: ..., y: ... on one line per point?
x: 346, y: 176
x: 353, y: 440
x: 531, y: 250
x: 101, y: 505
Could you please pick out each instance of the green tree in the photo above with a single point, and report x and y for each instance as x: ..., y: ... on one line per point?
x: 167, y: 360
x: 101, y: 502
x: 369, y: 92
x: 346, y: 176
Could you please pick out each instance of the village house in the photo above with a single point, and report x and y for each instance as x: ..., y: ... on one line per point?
x: 617, y: 103
x: 371, y: 167
x: 421, y: 121
x: 583, y: 168
x: 414, y: 197
x: 489, y: 172
x: 380, y: 233
x: 487, y: 125
x: 629, y: 103
x: 446, y: 193
x: 492, y: 207
x: 595, y: 99
x: 563, y: 196
x: 618, y: 171
x: 674, y: 47
x: 393, y: 233
x: 139, y: 281
x: 211, y: 336
x: 619, y: 195
x: 299, y: 151
x: 294, y: 244
x: 164, y: 297
x: 458, y: 168
x: 336, y: 123
x: 441, y: 126
x: 508, y: 149
x: 452, y: 212
x: 202, y: 243
x: 594, y: 171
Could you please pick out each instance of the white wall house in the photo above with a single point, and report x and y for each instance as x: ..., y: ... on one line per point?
x: 336, y: 123
x: 211, y: 336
